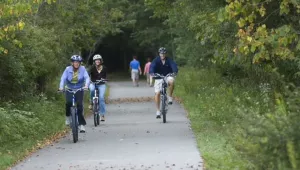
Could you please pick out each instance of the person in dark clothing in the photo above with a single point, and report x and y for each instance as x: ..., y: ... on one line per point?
x: 163, y: 65
x: 98, y: 72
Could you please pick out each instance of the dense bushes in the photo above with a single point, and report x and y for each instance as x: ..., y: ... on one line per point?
x: 238, y: 125
x: 22, y: 125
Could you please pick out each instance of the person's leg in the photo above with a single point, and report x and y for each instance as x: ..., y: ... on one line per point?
x: 92, y: 93
x: 157, y: 89
x: 133, y: 77
x: 79, y: 101
x: 171, y: 85
x: 148, y: 78
x: 68, y: 96
x: 157, y: 101
x: 102, y: 111
x: 137, y: 78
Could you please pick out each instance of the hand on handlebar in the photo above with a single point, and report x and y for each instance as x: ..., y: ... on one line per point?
x: 159, y: 75
x: 173, y: 74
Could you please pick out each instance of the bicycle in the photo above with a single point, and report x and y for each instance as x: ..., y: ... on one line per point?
x: 74, y: 116
x: 163, y: 94
x: 96, y: 104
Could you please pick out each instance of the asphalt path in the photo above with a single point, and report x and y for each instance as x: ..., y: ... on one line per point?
x: 130, y: 138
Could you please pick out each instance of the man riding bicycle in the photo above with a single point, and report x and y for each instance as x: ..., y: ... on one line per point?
x: 75, y: 77
x: 98, y: 72
x: 163, y: 65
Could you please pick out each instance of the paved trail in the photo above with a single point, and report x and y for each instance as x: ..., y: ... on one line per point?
x: 131, y: 138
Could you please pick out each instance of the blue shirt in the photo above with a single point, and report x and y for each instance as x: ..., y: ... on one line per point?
x: 134, y: 64
x: 158, y: 67
x: 66, y: 78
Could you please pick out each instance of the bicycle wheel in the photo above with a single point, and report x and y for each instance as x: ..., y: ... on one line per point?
x: 163, y: 108
x: 74, y: 124
x: 95, y: 112
x: 98, y: 119
x: 98, y: 116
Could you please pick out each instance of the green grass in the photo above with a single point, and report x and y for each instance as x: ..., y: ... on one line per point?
x: 24, y: 125
x: 217, y: 109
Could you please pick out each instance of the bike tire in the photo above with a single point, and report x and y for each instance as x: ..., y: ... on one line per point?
x: 74, y: 124
x: 163, y: 108
x: 98, y: 119
x: 95, y: 112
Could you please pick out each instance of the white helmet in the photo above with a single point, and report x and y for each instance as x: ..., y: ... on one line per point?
x: 97, y: 57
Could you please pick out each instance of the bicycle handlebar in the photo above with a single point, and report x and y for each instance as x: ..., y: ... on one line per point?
x: 100, y: 81
x: 74, y: 91
x: 157, y: 76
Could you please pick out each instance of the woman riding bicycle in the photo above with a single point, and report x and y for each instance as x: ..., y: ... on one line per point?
x: 98, y: 72
x: 75, y: 77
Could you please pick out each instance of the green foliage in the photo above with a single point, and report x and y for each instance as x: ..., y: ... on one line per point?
x: 27, y: 69
x: 22, y: 125
x: 47, y: 35
x: 238, y: 125
x: 242, y: 94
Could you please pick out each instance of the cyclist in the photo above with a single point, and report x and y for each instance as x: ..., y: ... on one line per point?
x: 98, y: 72
x: 75, y: 77
x: 135, y: 71
x: 163, y: 65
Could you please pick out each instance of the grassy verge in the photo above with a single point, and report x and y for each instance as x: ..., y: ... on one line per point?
x: 29, y: 125
x: 217, y: 110
x: 23, y: 127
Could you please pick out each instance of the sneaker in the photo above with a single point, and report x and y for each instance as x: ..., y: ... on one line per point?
x: 158, y: 115
x: 90, y: 106
x: 67, y: 120
x: 170, y: 100
x: 102, y: 118
x: 81, y: 129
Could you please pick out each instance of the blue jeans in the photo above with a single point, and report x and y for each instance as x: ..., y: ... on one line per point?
x: 101, y: 90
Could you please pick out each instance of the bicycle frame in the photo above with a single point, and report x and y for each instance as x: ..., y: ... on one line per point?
x: 96, y: 98
x: 74, y: 114
x: 163, y: 91
x: 164, y: 82
x: 96, y: 93
x: 73, y: 94
x: 163, y: 94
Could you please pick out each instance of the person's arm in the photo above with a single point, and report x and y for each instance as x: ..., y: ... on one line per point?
x: 104, y: 72
x: 152, y: 67
x: 174, y: 66
x: 86, y: 78
x: 63, y: 79
x: 92, y: 75
x: 130, y: 68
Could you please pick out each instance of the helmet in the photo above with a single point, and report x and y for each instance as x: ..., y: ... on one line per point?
x: 97, y: 57
x: 162, y: 50
x: 76, y: 58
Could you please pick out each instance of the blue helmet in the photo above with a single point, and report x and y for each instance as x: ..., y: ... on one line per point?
x: 162, y: 50
x: 76, y: 58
